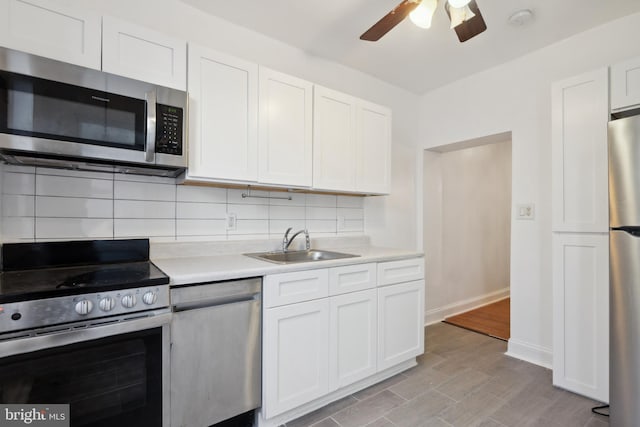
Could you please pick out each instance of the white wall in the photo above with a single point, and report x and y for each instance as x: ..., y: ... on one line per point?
x: 516, y: 97
x: 467, y: 226
x: 390, y: 221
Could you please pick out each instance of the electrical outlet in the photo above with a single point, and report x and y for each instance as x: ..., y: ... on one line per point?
x: 526, y: 211
x: 341, y: 222
x: 232, y: 220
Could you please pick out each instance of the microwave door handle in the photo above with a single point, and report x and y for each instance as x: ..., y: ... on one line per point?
x: 150, y: 145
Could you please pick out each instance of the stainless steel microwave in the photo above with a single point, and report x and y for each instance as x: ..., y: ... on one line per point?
x: 62, y: 115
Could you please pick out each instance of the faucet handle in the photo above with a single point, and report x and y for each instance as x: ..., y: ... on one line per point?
x: 307, y: 240
x: 285, y: 239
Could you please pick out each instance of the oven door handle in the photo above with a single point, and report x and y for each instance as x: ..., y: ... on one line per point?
x: 74, y: 334
x: 150, y: 143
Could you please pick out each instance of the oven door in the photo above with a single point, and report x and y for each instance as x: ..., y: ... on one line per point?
x: 110, y: 375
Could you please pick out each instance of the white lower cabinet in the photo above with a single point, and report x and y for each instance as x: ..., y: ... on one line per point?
x: 320, y: 339
x: 400, y: 323
x: 295, y: 355
x: 352, y: 337
x: 581, y: 313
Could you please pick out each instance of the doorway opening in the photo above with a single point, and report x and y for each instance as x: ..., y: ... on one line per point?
x: 467, y: 234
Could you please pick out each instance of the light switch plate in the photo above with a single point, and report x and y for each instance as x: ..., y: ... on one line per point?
x: 526, y: 211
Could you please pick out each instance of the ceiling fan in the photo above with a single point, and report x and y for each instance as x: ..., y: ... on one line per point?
x: 465, y: 17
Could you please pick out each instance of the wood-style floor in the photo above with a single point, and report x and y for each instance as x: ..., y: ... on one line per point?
x: 491, y: 319
x: 463, y: 379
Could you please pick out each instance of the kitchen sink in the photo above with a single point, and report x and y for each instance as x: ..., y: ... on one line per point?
x: 291, y: 257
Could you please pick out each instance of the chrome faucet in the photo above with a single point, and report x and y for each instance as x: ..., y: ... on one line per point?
x: 286, y: 241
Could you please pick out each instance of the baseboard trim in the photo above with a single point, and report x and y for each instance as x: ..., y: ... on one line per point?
x: 438, y: 314
x: 537, y: 355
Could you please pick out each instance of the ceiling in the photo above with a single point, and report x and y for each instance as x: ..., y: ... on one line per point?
x: 409, y: 57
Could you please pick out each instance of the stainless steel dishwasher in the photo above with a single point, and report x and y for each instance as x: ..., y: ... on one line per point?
x: 215, y: 351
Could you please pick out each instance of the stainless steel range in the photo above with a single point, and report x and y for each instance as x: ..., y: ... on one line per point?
x: 86, y: 323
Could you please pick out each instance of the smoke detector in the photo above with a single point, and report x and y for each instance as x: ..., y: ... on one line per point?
x: 521, y: 17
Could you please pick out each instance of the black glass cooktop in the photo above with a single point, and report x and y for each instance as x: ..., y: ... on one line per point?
x: 46, y: 270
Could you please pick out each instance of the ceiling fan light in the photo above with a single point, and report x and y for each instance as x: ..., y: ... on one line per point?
x: 459, y: 3
x: 460, y: 15
x: 421, y: 16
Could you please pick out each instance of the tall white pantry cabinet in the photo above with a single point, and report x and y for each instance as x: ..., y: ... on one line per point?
x: 580, y: 241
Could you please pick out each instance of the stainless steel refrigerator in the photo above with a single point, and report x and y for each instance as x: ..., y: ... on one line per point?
x: 624, y: 276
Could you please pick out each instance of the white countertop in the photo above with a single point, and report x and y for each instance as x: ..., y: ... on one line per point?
x: 216, y: 267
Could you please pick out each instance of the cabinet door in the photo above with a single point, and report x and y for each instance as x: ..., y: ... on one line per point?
x: 142, y: 54
x: 51, y: 30
x: 334, y: 140
x: 285, y: 130
x: 625, y: 85
x: 581, y: 314
x: 352, y: 337
x: 374, y: 148
x: 295, y: 355
x: 400, y: 323
x: 579, y: 153
x: 223, y: 116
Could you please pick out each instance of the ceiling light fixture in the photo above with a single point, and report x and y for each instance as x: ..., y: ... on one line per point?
x: 521, y: 17
x: 460, y: 15
x: 459, y: 3
x: 421, y: 16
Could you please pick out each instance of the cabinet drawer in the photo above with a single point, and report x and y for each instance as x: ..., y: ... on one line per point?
x: 400, y: 271
x: 289, y: 288
x: 351, y: 278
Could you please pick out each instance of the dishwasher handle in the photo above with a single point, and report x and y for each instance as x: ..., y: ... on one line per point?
x: 217, y: 293
x: 194, y: 305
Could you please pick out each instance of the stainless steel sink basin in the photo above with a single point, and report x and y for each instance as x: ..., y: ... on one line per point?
x: 292, y: 257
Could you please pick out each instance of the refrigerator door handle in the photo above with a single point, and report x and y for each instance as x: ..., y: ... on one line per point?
x: 633, y: 230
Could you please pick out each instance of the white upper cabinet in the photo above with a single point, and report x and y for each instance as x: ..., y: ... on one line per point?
x: 334, y: 140
x: 351, y: 144
x: 285, y: 145
x: 625, y: 85
x: 579, y: 153
x: 223, y: 117
x: 84, y: 38
x: 374, y: 149
x: 52, y: 30
x: 142, y: 54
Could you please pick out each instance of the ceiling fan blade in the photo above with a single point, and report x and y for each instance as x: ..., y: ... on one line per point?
x: 472, y: 27
x: 389, y: 21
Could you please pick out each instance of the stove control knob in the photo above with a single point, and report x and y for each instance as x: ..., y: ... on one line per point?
x: 149, y: 297
x: 129, y: 300
x: 107, y: 304
x: 84, y: 307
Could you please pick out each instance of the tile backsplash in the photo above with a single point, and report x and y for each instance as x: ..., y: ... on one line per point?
x: 54, y: 204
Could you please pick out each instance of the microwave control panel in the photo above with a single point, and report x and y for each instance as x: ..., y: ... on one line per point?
x: 169, y: 129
